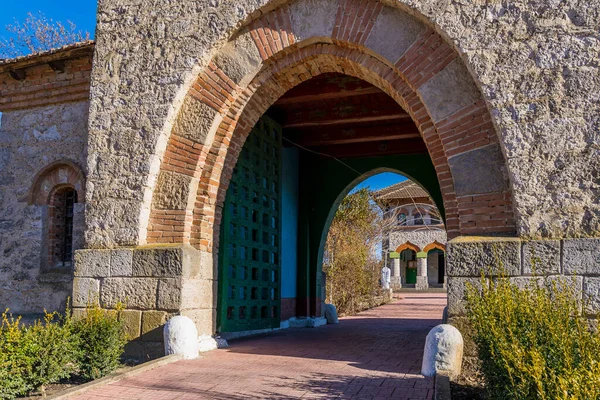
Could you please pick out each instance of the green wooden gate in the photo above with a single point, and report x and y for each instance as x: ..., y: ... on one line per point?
x: 249, y: 251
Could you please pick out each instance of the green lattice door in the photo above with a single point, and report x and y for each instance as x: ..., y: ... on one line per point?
x: 249, y: 250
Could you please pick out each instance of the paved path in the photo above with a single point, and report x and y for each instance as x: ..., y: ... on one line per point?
x: 373, y: 355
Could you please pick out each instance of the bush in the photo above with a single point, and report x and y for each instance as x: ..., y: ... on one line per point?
x: 102, y: 341
x: 13, y: 360
x: 36, y: 356
x: 534, y: 342
x: 31, y: 357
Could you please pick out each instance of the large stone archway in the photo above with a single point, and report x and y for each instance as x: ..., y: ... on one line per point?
x: 158, y: 172
x: 413, y: 65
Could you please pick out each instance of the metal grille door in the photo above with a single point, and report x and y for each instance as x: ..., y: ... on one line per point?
x: 249, y: 251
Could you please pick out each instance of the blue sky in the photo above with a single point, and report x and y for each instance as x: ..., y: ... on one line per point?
x: 82, y: 13
x: 380, y: 181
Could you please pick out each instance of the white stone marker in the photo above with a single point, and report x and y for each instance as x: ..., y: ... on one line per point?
x: 331, y: 314
x: 181, y: 337
x: 443, y: 351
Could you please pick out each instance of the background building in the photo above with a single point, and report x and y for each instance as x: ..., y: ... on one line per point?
x: 415, y: 246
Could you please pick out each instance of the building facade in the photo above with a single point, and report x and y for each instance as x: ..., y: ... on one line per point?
x: 493, y: 108
x: 415, y: 245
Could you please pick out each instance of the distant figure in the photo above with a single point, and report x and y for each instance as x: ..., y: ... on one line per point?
x: 385, y: 278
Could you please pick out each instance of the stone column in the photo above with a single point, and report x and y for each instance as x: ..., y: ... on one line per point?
x: 422, y: 283
x: 396, y: 279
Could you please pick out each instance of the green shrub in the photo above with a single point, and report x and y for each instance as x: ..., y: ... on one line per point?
x: 31, y: 357
x: 533, y: 342
x: 13, y: 361
x: 35, y: 356
x: 102, y: 341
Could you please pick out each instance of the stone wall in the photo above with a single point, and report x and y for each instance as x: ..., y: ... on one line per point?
x: 31, y: 140
x: 535, y: 63
x: 576, y: 260
x: 153, y: 283
x: 419, y: 238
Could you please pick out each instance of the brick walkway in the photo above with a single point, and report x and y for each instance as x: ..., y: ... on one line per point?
x: 373, y: 355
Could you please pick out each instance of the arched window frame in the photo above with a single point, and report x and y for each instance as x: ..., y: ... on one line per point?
x: 61, y: 233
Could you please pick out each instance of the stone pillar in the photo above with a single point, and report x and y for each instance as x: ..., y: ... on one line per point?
x: 422, y: 283
x: 396, y: 278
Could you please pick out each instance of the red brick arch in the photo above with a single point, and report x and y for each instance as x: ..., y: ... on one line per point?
x: 434, y: 245
x: 208, y: 166
x: 408, y: 246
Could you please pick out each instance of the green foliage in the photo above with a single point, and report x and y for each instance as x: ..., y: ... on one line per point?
x: 14, y: 362
x: 352, y: 271
x: 42, y: 353
x: 534, y: 342
x: 31, y: 357
x: 102, y: 341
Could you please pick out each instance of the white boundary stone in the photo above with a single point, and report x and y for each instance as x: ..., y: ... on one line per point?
x: 443, y: 351
x: 181, y: 337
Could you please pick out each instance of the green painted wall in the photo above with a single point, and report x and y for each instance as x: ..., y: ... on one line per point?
x: 323, y: 183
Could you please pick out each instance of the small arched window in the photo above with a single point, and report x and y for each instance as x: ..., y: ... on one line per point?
x: 57, y: 190
x: 402, y: 219
x: 60, y: 229
x: 418, y: 218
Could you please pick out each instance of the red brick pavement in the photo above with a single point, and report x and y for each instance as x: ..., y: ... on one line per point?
x: 373, y: 355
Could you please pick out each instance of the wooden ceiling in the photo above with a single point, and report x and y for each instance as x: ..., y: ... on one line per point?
x: 343, y: 116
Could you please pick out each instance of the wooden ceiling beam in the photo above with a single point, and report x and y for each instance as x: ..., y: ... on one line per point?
x: 369, y: 109
x: 354, y: 134
x: 373, y: 149
x: 309, y: 98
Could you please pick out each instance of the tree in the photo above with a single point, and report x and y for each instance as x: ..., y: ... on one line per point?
x: 38, y: 33
x: 350, y: 262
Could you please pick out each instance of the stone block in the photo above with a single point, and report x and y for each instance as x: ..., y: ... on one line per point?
x: 205, y: 319
x: 92, y: 263
x: 194, y: 120
x: 541, y: 257
x: 581, y: 256
x: 491, y: 256
x: 591, y: 295
x: 141, y: 351
x: 85, y: 291
x: 198, y: 293
x: 152, y: 325
x: 569, y: 281
x: 172, y: 191
x: 479, y: 171
x: 239, y: 59
x: 312, y: 18
x: 78, y: 313
x: 121, y: 262
x: 158, y: 262
x: 132, y: 323
x: 457, y: 288
x: 169, y: 294
x: 137, y: 293
x: 449, y: 90
x: 395, y: 23
x: 197, y: 264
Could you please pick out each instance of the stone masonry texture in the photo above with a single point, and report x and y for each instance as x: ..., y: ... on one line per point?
x: 535, y: 63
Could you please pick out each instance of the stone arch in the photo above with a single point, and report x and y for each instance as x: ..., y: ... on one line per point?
x: 408, y: 246
x: 58, y: 174
x: 435, y: 245
x: 383, y: 46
